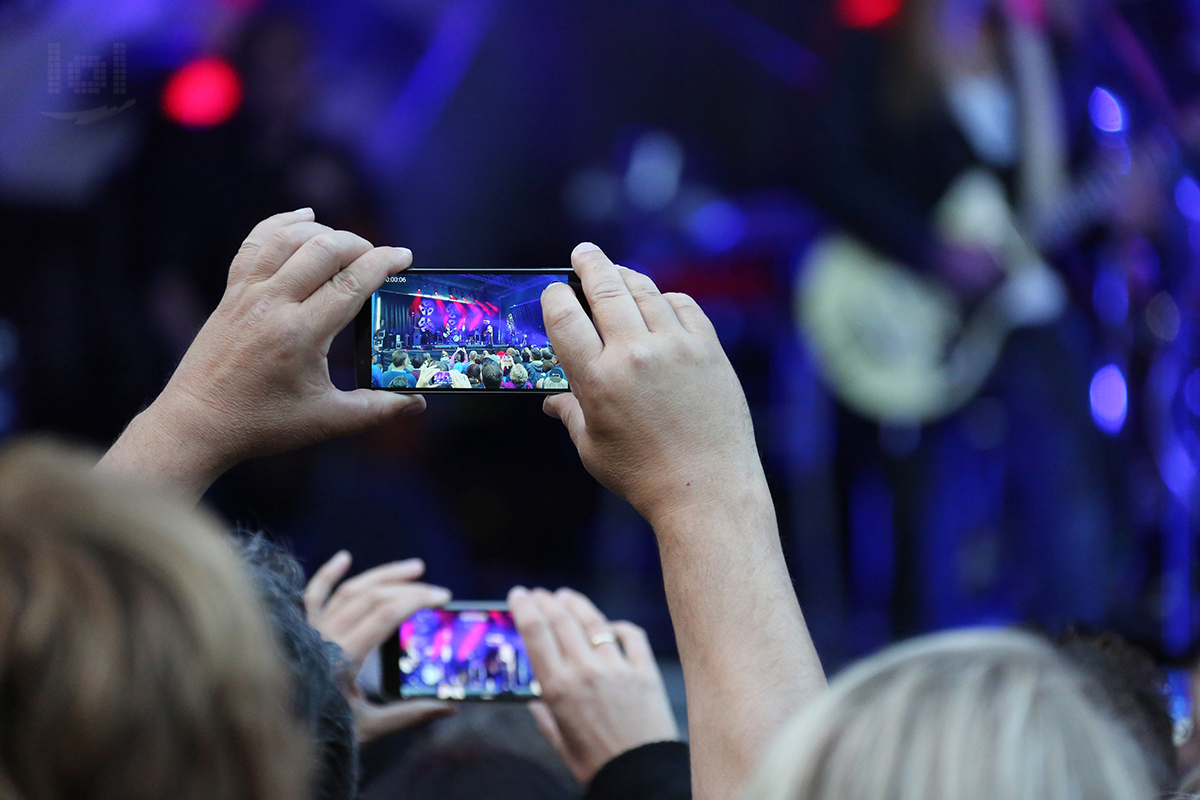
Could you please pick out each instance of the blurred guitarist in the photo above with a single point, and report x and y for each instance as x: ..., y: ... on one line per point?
x: 1019, y: 474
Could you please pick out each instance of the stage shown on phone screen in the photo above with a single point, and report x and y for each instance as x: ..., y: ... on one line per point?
x: 464, y: 654
x: 415, y: 311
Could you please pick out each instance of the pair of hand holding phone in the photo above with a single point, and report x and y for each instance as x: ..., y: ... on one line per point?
x: 599, y: 700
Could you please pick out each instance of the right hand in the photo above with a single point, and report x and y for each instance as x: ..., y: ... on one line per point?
x: 428, y: 370
x: 655, y: 408
x: 600, y: 700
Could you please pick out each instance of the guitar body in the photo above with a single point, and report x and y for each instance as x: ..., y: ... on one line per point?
x: 897, y: 346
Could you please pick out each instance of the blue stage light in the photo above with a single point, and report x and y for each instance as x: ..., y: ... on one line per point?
x: 1105, y: 111
x: 1110, y: 399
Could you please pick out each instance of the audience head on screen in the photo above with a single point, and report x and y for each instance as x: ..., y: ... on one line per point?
x: 418, y: 360
x: 474, y: 371
x: 491, y: 374
x: 399, y: 359
x: 518, y: 376
x: 990, y: 715
x: 137, y: 662
x: 526, y: 355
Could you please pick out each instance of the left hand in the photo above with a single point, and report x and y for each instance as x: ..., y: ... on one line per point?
x: 360, y: 614
x: 256, y: 379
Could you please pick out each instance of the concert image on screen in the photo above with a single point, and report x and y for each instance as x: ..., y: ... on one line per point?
x: 464, y: 654
x: 481, y: 330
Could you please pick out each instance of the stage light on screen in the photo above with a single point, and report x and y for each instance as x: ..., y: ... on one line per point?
x: 202, y: 93
x: 1105, y: 111
x: 1187, y: 198
x: 866, y: 13
x: 1110, y: 399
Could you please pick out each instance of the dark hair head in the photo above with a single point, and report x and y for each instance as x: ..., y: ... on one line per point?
x: 399, y: 358
x: 314, y: 663
x: 418, y: 360
x: 1132, y: 691
x: 470, y: 772
x: 492, y: 374
x: 473, y: 372
x: 547, y: 353
x: 526, y: 355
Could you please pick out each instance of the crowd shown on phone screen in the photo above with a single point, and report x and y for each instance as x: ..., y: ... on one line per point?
x: 147, y: 652
x: 506, y: 368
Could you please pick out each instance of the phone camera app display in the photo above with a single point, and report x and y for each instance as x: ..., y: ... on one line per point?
x: 463, y: 331
x: 464, y: 654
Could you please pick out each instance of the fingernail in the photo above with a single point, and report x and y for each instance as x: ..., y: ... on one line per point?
x: 413, y: 408
x: 342, y: 555
x: 440, y: 596
x: 518, y: 591
x: 413, y: 562
x: 585, y: 247
x: 305, y: 210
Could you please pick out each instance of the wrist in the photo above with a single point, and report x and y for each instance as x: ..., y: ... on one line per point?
x: 168, y: 445
x: 718, y: 497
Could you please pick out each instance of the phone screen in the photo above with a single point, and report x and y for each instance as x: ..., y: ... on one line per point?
x: 424, y: 324
x: 465, y: 651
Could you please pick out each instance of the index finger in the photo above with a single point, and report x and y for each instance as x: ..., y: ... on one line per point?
x: 573, y: 335
x: 258, y: 236
x: 613, y: 307
x: 323, y: 580
x: 540, y: 644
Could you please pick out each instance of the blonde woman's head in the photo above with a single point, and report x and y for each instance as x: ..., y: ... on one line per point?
x: 982, y: 714
x: 135, y: 660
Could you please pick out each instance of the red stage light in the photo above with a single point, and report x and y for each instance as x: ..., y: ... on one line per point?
x: 866, y: 13
x: 202, y: 93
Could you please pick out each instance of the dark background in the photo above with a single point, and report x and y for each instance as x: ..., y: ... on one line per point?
x: 677, y: 134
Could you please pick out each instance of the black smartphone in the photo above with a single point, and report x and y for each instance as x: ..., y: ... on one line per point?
x: 458, y: 331
x: 463, y: 651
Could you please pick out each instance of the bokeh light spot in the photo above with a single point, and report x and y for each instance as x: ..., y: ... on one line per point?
x: 1105, y: 111
x: 202, y: 93
x: 866, y: 13
x: 1187, y: 198
x: 1110, y: 398
x: 717, y: 226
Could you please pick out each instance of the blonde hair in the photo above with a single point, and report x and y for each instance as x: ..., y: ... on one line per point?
x: 981, y: 714
x: 135, y: 659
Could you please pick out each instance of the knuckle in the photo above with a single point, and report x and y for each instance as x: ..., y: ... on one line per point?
x: 608, y: 290
x: 347, y: 283
x: 559, y: 316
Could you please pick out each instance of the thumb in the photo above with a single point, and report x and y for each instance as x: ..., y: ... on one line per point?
x: 548, y: 726
x: 565, y: 407
x: 372, y: 721
x: 363, y: 409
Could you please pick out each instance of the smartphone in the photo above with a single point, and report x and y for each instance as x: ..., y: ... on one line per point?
x: 463, y: 651
x: 460, y: 317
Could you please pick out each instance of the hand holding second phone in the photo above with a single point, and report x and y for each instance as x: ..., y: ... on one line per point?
x: 358, y: 615
x: 603, y: 693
